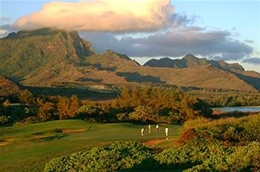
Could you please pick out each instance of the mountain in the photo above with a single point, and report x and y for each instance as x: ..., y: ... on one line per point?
x: 55, y: 58
x: 27, y: 53
x: 190, y: 60
x: 51, y: 57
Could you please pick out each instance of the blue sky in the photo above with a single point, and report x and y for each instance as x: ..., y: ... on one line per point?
x: 243, y: 17
x: 228, y: 30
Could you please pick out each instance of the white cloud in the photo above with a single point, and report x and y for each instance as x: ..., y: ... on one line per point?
x: 3, y: 32
x: 101, y: 15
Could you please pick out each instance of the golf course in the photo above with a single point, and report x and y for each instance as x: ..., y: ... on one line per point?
x: 29, y: 147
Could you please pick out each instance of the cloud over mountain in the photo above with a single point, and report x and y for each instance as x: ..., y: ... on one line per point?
x: 101, y: 15
x: 176, y: 42
x: 252, y: 60
x: 138, y: 28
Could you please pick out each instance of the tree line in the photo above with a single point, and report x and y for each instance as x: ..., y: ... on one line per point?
x: 238, y: 99
x: 153, y: 104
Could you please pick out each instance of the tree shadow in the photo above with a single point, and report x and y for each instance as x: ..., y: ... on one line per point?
x: 89, y: 80
x: 82, y: 93
x: 136, y: 77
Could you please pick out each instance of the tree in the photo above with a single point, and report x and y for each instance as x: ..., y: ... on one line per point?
x: 90, y: 111
x: 6, y: 103
x: 74, y: 104
x: 63, y: 107
x: 67, y: 107
x: 26, y: 97
x: 143, y: 114
x: 45, y: 108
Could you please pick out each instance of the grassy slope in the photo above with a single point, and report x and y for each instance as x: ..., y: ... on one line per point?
x: 29, y: 147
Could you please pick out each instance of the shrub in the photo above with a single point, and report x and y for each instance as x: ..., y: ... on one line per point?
x: 178, y: 157
x: 4, y: 119
x: 238, y: 131
x: 114, y: 157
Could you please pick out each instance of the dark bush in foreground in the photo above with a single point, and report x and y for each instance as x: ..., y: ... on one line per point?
x: 114, y: 157
x: 220, y: 158
x: 132, y: 156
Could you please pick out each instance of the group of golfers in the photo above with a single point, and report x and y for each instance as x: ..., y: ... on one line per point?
x: 157, y: 130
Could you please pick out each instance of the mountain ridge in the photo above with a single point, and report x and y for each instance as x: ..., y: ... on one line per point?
x: 190, y: 60
x: 52, y: 57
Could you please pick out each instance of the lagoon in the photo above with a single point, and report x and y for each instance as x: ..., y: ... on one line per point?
x: 240, y: 109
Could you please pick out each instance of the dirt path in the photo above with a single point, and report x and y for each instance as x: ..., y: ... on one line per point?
x: 4, y: 142
x: 73, y: 131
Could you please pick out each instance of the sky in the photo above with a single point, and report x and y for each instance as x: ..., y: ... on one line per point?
x: 146, y: 29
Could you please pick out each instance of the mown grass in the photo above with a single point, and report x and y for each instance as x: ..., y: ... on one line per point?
x: 29, y: 147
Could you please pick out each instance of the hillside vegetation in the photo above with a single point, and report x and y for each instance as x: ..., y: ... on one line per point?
x: 8, y: 87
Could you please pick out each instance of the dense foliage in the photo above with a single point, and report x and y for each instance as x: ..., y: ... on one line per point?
x: 159, y: 104
x: 201, y: 148
x: 211, y: 157
x: 233, y: 99
x: 114, y: 157
x: 136, y: 104
x: 230, y: 131
x: 222, y: 145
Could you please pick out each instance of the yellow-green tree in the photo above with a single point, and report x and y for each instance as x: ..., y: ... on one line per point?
x: 26, y: 97
x: 67, y: 107
x: 45, y: 108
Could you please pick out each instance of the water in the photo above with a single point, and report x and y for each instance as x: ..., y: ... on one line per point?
x: 240, y: 109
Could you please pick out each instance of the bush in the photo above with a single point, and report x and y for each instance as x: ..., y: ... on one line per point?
x: 239, y: 131
x: 4, y: 119
x: 114, y: 157
x: 177, y: 157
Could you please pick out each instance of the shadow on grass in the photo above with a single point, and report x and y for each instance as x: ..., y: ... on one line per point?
x: 48, y: 137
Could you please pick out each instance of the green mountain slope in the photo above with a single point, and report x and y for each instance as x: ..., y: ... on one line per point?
x: 27, y: 53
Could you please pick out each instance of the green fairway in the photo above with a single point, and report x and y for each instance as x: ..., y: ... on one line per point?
x: 29, y: 147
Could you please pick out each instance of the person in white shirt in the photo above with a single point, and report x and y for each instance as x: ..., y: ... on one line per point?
x: 167, y: 131
x: 157, y: 128
x: 142, y: 131
x: 149, y: 128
